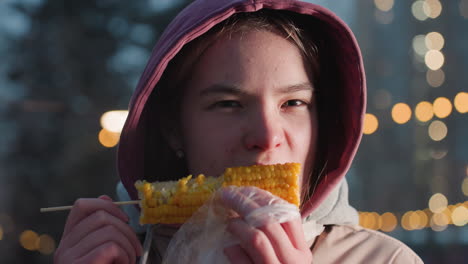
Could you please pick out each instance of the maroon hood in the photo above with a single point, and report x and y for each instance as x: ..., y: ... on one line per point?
x: 344, y: 99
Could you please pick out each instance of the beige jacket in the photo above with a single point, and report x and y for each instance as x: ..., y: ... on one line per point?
x: 337, y: 244
x: 355, y: 244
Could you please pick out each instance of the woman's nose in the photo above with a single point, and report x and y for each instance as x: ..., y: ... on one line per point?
x: 264, y: 132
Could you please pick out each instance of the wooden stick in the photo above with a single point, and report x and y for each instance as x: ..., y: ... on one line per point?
x: 62, y: 208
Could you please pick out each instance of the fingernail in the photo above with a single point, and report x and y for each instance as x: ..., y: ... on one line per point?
x: 105, y: 197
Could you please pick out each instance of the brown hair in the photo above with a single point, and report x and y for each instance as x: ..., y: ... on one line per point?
x: 163, y: 107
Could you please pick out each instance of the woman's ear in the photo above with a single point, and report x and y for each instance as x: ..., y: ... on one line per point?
x: 173, y: 137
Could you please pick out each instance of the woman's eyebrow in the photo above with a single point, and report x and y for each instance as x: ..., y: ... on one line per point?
x: 222, y: 89
x: 307, y: 86
x: 235, y: 90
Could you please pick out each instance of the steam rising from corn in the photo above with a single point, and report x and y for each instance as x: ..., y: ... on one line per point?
x: 174, y: 202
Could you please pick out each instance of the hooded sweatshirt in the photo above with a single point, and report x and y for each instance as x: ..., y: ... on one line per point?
x: 330, y: 223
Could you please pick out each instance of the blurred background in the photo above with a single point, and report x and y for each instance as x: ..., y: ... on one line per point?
x: 69, y: 67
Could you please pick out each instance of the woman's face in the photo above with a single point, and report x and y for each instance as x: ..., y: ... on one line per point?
x: 250, y: 101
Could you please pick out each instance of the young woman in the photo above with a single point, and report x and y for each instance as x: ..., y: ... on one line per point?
x: 235, y: 83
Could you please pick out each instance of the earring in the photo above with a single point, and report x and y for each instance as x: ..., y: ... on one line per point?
x: 179, y: 153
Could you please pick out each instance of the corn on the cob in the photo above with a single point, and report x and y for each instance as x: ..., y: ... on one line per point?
x: 173, y: 202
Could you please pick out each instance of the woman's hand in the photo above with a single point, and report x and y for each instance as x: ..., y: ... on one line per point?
x: 269, y: 243
x: 96, y: 232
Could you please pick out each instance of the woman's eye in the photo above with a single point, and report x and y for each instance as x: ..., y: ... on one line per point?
x: 290, y: 103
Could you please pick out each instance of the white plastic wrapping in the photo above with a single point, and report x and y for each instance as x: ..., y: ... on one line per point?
x: 204, y: 236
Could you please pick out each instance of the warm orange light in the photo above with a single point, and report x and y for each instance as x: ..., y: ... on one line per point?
x: 460, y: 216
x: 46, y: 244
x: 461, y: 102
x: 423, y: 111
x: 442, y: 107
x: 371, y: 123
x: 423, y: 219
x: 389, y: 222
x: 401, y: 113
x: 376, y: 221
x: 108, y: 139
x: 363, y: 219
x: 440, y: 219
x: 413, y: 220
x: 29, y: 240
x: 405, y: 223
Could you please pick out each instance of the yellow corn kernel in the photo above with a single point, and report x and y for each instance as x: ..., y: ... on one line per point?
x: 174, y: 202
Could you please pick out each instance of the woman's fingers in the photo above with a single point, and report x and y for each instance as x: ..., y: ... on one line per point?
x: 84, y: 207
x: 267, y: 241
x: 107, y: 253
x: 102, y: 236
x: 295, y: 233
x: 253, y: 241
x: 96, y: 221
x: 236, y: 254
x: 279, y: 240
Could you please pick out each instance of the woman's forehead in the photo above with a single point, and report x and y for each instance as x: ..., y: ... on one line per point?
x: 258, y: 57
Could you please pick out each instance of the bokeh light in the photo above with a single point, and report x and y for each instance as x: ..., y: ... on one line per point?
x: 29, y: 240
x: 377, y: 221
x: 438, y: 203
x: 107, y: 138
x: 371, y: 123
x: 423, y: 219
x: 463, y: 6
x: 442, y: 107
x: 424, y: 111
x: 413, y: 220
x: 437, y: 130
x: 6, y: 222
x: 384, y: 5
x: 420, y: 9
x: 434, y: 41
x: 461, y: 102
x: 419, y: 45
x: 433, y: 8
x: 389, y: 222
x: 405, y: 220
x: 438, y: 154
x: 434, y: 59
x: 384, y: 17
x: 439, y: 221
x: 382, y: 99
x: 46, y: 244
x: 435, y: 78
x: 401, y: 113
x: 114, y: 121
x: 363, y: 219
x: 460, y: 216
x: 371, y: 220
x: 464, y: 186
